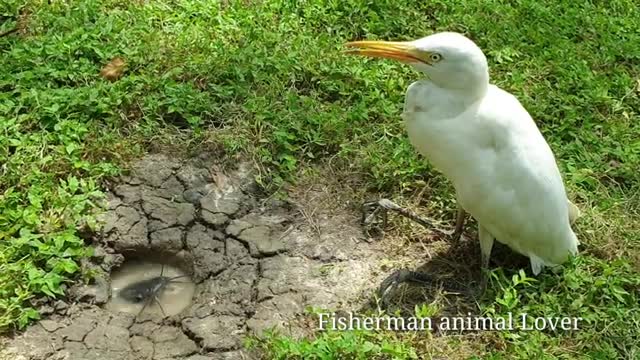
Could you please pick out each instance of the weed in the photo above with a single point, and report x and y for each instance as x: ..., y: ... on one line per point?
x: 269, y: 80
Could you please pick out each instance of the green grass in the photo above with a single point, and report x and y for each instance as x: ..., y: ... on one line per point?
x: 356, y: 344
x: 267, y: 79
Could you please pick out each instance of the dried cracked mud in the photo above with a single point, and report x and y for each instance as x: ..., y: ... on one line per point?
x: 257, y: 264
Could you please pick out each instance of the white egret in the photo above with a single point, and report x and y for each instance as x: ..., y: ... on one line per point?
x: 485, y: 142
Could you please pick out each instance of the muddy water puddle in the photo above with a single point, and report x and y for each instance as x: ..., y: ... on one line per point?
x: 136, y: 281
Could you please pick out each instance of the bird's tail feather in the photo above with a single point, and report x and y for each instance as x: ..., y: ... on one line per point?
x: 574, y: 212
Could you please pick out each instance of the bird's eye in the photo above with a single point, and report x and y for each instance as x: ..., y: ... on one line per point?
x: 435, y: 57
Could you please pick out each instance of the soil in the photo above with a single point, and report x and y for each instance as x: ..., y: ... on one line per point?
x: 257, y: 264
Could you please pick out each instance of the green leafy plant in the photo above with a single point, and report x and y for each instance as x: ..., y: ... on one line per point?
x: 268, y: 80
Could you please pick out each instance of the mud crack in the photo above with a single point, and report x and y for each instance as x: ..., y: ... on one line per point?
x: 257, y: 265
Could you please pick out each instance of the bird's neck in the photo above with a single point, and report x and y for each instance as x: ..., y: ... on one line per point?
x: 467, y: 96
x: 466, y: 87
x: 457, y: 99
x: 470, y: 95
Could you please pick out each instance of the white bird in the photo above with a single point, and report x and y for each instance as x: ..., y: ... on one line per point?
x: 485, y: 142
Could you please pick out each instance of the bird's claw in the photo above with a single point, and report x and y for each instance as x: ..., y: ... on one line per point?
x: 484, y: 280
x: 455, y: 234
x: 372, y: 209
x: 388, y: 285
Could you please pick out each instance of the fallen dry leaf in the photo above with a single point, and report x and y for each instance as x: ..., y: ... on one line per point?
x: 114, y: 69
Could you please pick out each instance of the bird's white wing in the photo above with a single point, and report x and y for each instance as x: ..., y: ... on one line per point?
x: 503, y: 170
x: 518, y: 193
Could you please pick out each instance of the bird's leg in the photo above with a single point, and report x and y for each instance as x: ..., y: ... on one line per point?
x: 460, y: 215
x: 486, y: 243
x: 403, y: 275
x: 383, y: 205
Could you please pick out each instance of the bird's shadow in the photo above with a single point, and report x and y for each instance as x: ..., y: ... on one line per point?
x: 456, y: 274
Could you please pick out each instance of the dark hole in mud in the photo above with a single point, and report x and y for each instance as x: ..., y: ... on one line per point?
x: 148, y: 285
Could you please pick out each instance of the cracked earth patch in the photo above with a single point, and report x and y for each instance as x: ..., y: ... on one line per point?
x: 257, y: 264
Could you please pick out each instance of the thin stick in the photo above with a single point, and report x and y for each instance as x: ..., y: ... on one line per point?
x: 143, y: 307
x: 9, y: 32
x: 160, y: 305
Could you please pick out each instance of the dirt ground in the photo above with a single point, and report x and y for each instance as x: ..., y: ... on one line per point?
x: 257, y: 264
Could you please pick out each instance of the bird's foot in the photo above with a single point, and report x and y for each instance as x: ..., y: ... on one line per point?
x: 484, y: 280
x: 379, y: 208
x: 374, y: 217
x: 398, y: 277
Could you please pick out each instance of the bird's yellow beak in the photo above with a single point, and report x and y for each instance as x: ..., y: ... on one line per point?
x: 397, y: 50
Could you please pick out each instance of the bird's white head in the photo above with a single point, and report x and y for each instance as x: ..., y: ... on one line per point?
x: 450, y: 60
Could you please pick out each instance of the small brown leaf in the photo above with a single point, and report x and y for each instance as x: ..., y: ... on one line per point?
x: 114, y: 69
